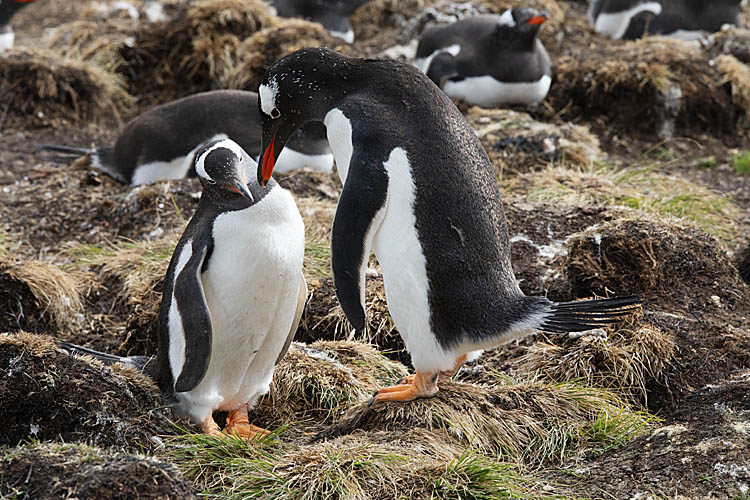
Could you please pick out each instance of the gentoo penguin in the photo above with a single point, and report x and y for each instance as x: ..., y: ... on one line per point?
x: 7, y: 9
x: 332, y: 14
x: 683, y: 19
x: 420, y: 190
x: 233, y: 294
x: 489, y: 59
x: 161, y: 142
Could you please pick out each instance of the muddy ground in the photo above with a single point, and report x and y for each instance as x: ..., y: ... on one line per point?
x: 610, y: 189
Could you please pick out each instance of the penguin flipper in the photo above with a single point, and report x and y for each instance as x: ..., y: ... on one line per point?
x: 193, y: 308
x: 358, y: 216
x: 442, y: 68
x: 301, y: 299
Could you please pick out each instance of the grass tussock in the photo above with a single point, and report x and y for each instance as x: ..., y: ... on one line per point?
x: 56, y: 291
x: 737, y: 75
x: 97, y: 42
x: 323, y: 380
x: 640, y: 187
x: 36, y: 82
x: 632, y: 355
x: 532, y: 422
x: 318, y: 216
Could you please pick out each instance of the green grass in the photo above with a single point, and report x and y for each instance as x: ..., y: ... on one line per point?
x: 741, y: 163
x: 318, y: 259
x: 705, y: 162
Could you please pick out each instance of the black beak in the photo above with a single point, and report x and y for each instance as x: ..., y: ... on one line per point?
x: 239, y: 186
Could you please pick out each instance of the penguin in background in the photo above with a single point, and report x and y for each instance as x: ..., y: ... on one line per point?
x: 233, y: 295
x: 684, y: 19
x: 161, y: 143
x: 7, y: 9
x: 489, y: 60
x: 332, y: 14
x: 420, y: 191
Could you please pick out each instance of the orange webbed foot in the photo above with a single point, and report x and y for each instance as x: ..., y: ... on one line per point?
x: 419, y: 385
x: 238, y: 424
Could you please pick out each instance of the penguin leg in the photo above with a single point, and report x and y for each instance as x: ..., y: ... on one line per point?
x: 210, y: 427
x: 444, y: 375
x: 238, y: 423
x: 422, y: 385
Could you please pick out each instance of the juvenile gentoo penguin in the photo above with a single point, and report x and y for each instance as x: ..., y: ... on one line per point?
x: 161, y: 143
x: 7, y: 9
x: 489, y: 59
x: 332, y: 14
x: 420, y: 190
x: 683, y: 19
x: 233, y: 294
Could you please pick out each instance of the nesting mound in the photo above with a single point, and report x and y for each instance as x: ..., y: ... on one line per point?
x: 533, y: 422
x: 652, y: 85
x: 515, y: 142
x: 195, y: 50
x: 267, y: 46
x: 50, y: 395
x: 709, y: 434
x: 37, y: 86
x: 37, y: 297
x: 78, y: 471
x: 95, y: 41
x: 734, y: 41
x: 631, y: 358
x: 324, y: 319
x: 324, y: 379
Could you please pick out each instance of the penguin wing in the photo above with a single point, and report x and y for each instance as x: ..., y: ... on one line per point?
x: 442, y: 68
x: 358, y: 216
x: 301, y: 299
x: 196, y: 320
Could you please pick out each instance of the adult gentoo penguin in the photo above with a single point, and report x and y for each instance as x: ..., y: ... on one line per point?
x: 7, y: 9
x: 161, y: 143
x: 489, y: 59
x: 233, y: 294
x: 683, y: 19
x: 419, y: 189
x: 332, y: 14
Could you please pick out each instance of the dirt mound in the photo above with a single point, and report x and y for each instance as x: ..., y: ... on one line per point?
x: 50, y: 395
x: 743, y: 264
x: 38, y: 87
x: 516, y: 142
x: 708, y: 434
x: 194, y: 51
x: 47, y: 471
x: 651, y: 86
x: 734, y: 41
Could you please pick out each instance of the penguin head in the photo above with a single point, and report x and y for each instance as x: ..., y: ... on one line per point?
x: 519, y: 26
x: 224, y: 165
x: 299, y: 88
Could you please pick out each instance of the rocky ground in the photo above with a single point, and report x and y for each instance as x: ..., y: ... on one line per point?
x: 611, y: 188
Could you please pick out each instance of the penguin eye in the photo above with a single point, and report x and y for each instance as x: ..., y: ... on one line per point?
x: 275, y: 113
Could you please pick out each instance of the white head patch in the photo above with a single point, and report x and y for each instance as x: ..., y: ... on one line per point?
x: 267, y: 94
x: 200, y: 167
x: 507, y: 19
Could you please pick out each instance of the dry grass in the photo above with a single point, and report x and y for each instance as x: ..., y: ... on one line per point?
x: 631, y: 356
x: 37, y: 83
x: 318, y: 216
x: 737, y: 75
x: 97, y: 42
x: 56, y: 291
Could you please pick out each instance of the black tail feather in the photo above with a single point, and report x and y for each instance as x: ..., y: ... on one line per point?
x: 72, y: 150
x: 564, y: 317
x: 142, y: 363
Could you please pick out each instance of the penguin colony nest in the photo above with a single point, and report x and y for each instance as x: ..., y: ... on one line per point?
x: 94, y: 404
x: 94, y: 41
x: 38, y: 86
x: 643, y: 83
x: 48, y: 470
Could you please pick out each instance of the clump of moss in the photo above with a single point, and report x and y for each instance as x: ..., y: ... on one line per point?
x: 741, y: 163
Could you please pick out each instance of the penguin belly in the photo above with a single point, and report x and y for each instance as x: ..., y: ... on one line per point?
x: 6, y: 40
x: 487, y: 91
x: 251, y: 286
x: 615, y: 24
x: 176, y: 168
x: 289, y: 160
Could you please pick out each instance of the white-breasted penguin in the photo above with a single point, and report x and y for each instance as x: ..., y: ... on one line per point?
x: 161, y: 143
x: 490, y: 59
x: 332, y: 14
x: 420, y: 190
x: 233, y: 294
x: 683, y: 19
x: 7, y: 9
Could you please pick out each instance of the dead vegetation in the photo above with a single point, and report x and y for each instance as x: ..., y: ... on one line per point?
x: 48, y: 470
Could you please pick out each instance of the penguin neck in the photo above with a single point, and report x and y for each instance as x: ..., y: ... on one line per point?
x: 220, y: 200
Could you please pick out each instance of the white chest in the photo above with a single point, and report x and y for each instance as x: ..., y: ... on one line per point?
x: 615, y: 24
x: 486, y: 91
x: 6, y: 40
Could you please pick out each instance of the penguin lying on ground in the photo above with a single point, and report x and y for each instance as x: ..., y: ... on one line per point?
x: 683, y: 19
x: 7, y: 9
x: 161, y: 142
x: 332, y: 14
x: 419, y: 189
x: 233, y: 295
x: 488, y: 60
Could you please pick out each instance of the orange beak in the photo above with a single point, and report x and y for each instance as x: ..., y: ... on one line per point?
x: 536, y: 20
x: 268, y: 162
